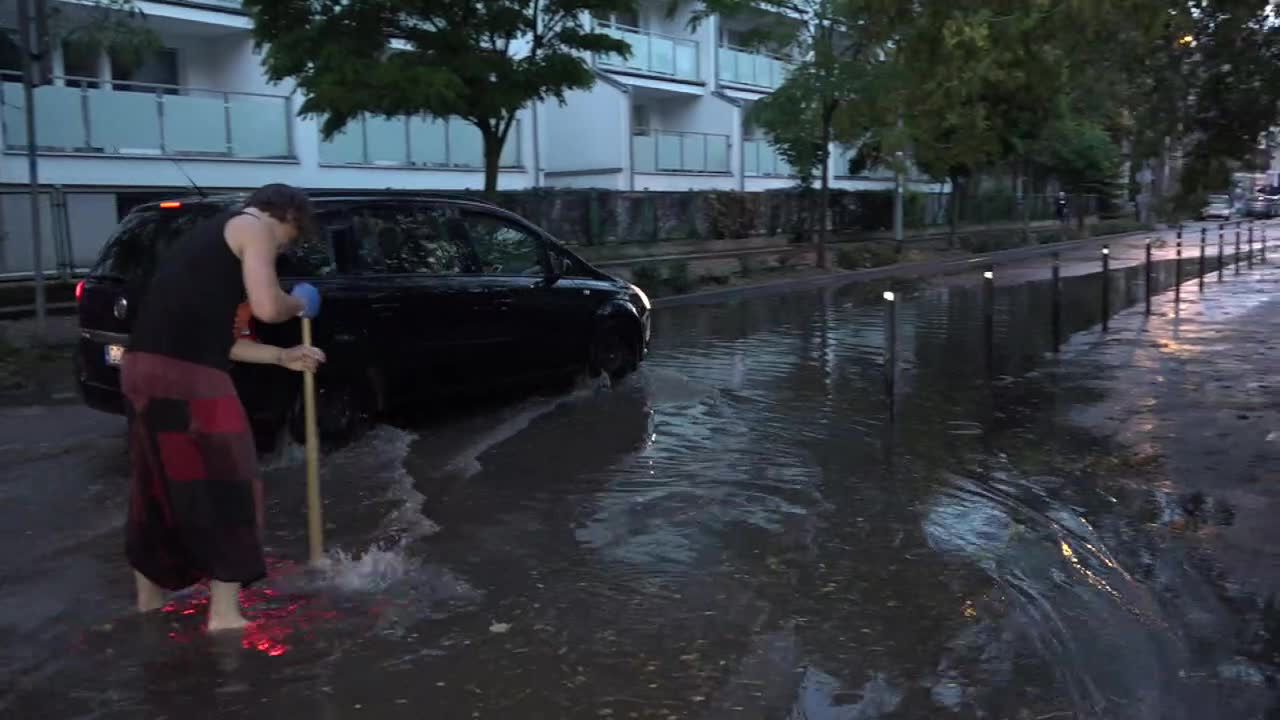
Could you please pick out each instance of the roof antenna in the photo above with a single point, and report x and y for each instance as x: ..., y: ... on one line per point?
x: 194, y: 186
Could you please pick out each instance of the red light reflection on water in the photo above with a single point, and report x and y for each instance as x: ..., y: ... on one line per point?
x: 279, y: 620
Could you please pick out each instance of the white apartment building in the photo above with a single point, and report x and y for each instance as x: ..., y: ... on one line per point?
x: 112, y: 131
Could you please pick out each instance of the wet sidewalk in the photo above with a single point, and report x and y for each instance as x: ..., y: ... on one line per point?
x: 1194, y: 390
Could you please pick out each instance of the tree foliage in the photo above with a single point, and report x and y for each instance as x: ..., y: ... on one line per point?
x: 479, y: 61
x: 1059, y: 88
x: 836, y: 42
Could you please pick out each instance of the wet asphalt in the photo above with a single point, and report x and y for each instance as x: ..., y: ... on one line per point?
x: 751, y: 527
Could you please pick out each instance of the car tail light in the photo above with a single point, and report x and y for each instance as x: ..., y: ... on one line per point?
x: 79, y: 291
x: 170, y: 205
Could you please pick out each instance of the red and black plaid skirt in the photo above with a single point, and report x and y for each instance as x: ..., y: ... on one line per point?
x: 195, y: 509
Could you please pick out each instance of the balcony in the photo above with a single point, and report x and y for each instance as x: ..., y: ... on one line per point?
x: 81, y: 115
x: 761, y: 159
x: 652, y: 53
x: 755, y: 69
x: 415, y: 142
x: 662, y: 151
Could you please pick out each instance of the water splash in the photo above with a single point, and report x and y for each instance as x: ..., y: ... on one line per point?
x: 371, y: 571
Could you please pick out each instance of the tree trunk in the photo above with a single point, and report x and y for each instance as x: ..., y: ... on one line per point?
x: 824, y: 197
x: 954, y: 211
x: 492, y: 157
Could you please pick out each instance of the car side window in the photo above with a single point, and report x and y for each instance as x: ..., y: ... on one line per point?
x: 501, y: 247
x: 566, y: 265
x: 405, y: 239
x: 310, y: 257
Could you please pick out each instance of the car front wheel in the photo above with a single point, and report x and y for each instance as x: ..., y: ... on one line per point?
x: 614, y: 352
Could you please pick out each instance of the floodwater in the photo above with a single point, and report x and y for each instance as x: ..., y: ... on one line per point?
x: 748, y: 528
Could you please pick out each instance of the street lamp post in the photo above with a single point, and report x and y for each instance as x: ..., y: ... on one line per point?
x: 29, y: 59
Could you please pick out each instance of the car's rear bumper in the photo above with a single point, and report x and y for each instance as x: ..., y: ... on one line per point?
x: 102, y: 397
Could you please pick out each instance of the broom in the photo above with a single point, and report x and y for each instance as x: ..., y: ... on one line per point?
x: 315, y: 525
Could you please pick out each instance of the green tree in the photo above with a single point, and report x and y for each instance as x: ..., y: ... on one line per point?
x: 1081, y: 154
x: 835, y: 41
x: 479, y: 61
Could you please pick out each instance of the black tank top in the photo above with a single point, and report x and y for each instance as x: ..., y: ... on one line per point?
x: 189, y: 311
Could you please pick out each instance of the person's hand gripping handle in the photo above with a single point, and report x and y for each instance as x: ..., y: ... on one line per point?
x: 310, y: 299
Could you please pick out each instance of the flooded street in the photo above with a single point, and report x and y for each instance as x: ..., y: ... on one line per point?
x: 747, y: 528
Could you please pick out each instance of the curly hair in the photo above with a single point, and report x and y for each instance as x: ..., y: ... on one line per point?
x: 286, y: 204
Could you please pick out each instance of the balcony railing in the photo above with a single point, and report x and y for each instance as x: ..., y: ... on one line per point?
x: 760, y: 158
x: 229, y: 4
x: 652, y: 53
x: 672, y: 151
x: 415, y: 142
x: 84, y: 115
x: 757, y: 69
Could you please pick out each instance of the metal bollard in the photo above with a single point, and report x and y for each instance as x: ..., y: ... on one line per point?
x: 1106, y: 287
x: 1235, y: 259
x: 890, y: 343
x: 989, y: 316
x: 1250, y: 246
x: 1057, y: 304
x: 1179, y: 231
x: 1202, y: 268
x: 1146, y: 278
x: 1220, y: 260
x: 1177, y: 282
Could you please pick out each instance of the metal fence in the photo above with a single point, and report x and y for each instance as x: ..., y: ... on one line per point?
x: 76, y: 223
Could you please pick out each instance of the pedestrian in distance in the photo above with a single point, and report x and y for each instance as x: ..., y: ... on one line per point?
x: 195, y: 506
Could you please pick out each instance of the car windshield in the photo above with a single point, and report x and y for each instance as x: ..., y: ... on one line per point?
x: 1218, y: 200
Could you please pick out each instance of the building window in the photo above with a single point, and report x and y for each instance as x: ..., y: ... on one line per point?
x: 639, y: 119
x: 82, y: 63
x: 629, y: 18
x: 157, y: 68
x: 10, y: 53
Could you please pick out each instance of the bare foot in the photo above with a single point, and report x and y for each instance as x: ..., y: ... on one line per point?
x: 224, y: 607
x: 150, y: 596
x: 224, y: 624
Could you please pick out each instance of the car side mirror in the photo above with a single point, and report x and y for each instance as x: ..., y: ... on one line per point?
x: 556, y: 267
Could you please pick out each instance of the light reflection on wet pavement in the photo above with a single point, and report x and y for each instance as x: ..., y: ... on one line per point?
x: 738, y: 531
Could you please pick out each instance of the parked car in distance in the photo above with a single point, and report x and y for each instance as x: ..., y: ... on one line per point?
x: 425, y: 296
x: 1259, y: 207
x: 1218, y: 207
x: 1267, y: 202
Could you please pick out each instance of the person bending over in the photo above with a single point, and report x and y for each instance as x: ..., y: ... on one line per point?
x: 195, y: 506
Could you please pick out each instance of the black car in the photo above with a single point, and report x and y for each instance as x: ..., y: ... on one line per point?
x: 424, y: 296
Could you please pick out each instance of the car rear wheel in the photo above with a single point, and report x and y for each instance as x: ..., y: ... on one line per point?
x: 614, y: 352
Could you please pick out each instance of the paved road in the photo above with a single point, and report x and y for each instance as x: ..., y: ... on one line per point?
x: 742, y: 530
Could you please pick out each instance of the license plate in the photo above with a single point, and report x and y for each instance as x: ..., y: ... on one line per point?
x: 114, y: 353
